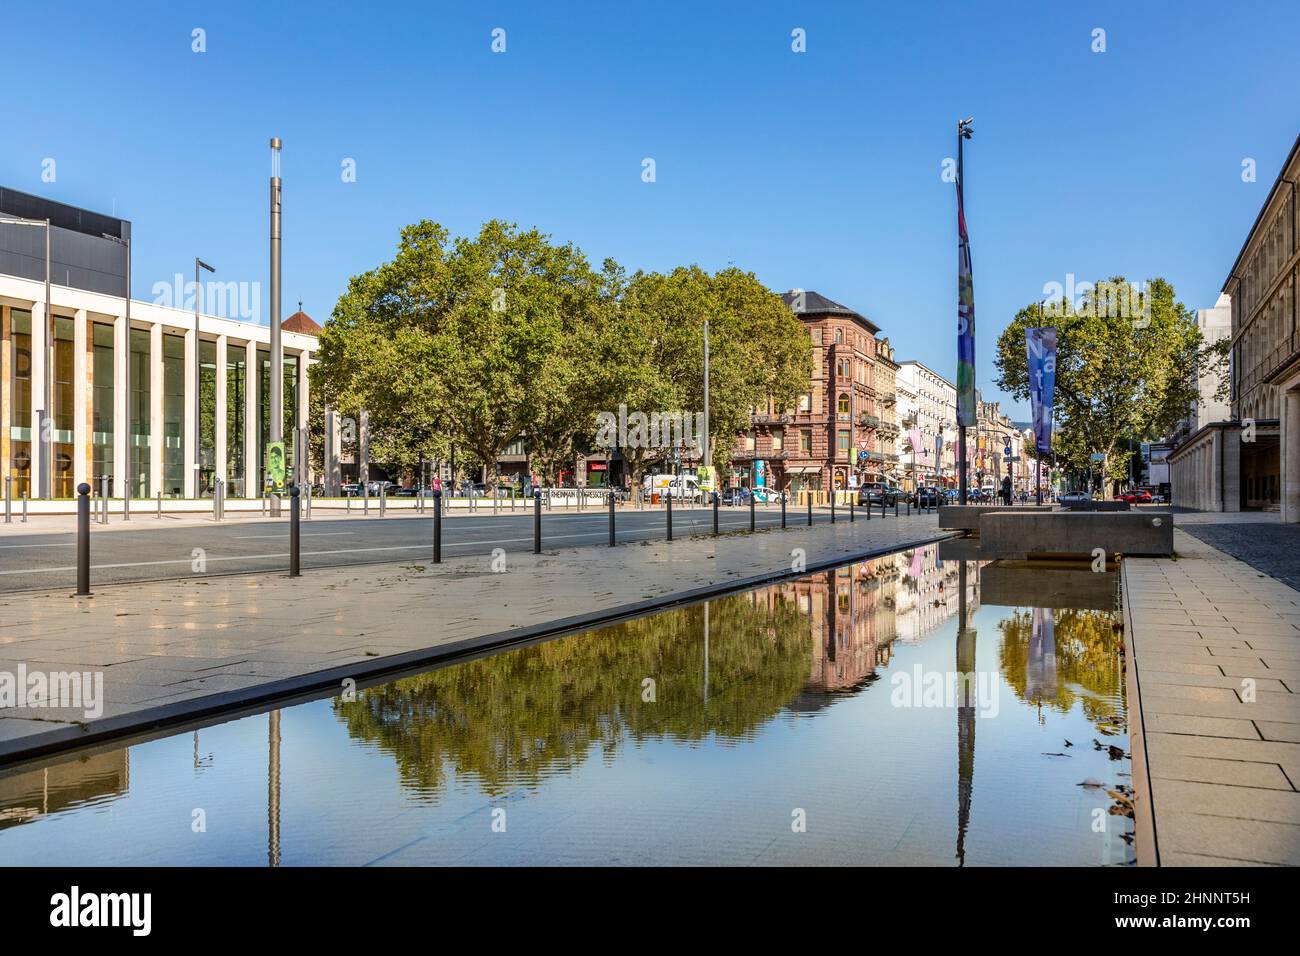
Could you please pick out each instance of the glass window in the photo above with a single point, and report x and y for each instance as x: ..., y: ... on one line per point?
x: 236, y: 393
x: 778, y: 442
x: 20, y: 403
x: 173, y: 416
x: 64, y: 364
x: 844, y: 403
x: 207, y: 417
x: 805, y: 402
x: 842, y: 443
x: 102, y: 406
x: 140, y: 412
x: 805, y: 441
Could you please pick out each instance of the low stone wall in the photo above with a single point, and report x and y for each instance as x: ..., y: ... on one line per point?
x: 967, y: 517
x: 1033, y: 534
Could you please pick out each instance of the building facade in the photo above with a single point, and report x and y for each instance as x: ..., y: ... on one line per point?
x: 98, y: 372
x: 829, y: 440
x: 887, y: 437
x: 927, y: 420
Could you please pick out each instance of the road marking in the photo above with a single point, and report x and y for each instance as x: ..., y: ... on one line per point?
x: 70, y: 544
x: 305, y: 534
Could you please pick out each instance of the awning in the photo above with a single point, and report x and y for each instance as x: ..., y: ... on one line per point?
x: 803, y: 469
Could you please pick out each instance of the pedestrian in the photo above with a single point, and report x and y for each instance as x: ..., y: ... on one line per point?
x: 1006, y: 490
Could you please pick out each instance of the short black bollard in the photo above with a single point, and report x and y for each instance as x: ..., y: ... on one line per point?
x: 809, y: 494
x: 895, y: 506
x: 612, y: 542
x: 832, y: 507
x: 669, y: 499
x: 83, y: 540
x: 783, y: 497
x: 852, y: 514
x: 716, y: 498
x: 293, y: 533
x: 537, y: 521
x: 752, y: 496
x: 437, y: 527
x: 868, y: 507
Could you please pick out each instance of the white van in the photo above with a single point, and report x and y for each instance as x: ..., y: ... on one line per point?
x: 681, y: 487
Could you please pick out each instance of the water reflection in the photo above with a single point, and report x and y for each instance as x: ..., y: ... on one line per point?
x: 784, y: 677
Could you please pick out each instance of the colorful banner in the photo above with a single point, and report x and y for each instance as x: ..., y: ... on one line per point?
x: 275, y: 467
x: 1040, y: 350
x: 918, y: 444
x: 966, y: 414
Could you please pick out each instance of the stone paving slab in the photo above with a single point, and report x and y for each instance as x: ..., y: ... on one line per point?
x: 174, y: 647
x: 1214, y: 661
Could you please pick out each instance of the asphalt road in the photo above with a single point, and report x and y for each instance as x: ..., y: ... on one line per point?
x: 144, y: 553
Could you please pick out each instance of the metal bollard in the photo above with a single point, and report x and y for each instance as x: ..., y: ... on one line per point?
x: 611, y: 518
x: 716, y: 496
x: 348, y: 499
x: 24, y: 507
x: 307, y: 508
x: 83, y: 540
x: 832, y: 507
x: 669, y: 498
x: 263, y: 506
x: 9, y: 499
x: 216, y: 500
x: 365, y: 499
x: 437, y: 527
x: 383, y: 500
x: 809, y: 499
x: 895, y: 506
x: 784, y: 495
x: 852, y: 503
x: 537, y: 521
x: 103, y: 499
x: 294, y: 533
x: 160, y: 504
x: 751, y: 509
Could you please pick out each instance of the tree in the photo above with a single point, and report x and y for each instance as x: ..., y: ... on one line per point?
x: 1126, y: 366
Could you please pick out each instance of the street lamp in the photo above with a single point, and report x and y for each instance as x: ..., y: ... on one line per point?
x: 124, y: 467
x: 44, y: 435
x: 198, y: 373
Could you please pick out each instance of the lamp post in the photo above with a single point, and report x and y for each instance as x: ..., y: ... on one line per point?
x: 198, y: 374
x: 277, y: 351
x: 44, y: 435
x: 965, y: 129
x: 123, y: 468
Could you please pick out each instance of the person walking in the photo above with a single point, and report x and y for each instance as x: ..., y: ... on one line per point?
x: 1006, y: 490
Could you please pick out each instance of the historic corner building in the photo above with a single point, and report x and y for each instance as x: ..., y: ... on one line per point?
x: 1252, y: 460
x: 838, y: 433
x: 125, y: 391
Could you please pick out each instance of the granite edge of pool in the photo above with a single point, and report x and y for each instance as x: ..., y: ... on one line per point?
x: 165, y: 719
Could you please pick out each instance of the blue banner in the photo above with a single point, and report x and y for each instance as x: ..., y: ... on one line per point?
x: 1040, y: 350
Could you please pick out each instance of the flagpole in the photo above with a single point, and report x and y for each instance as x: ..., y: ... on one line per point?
x: 1038, y: 458
x: 963, y: 132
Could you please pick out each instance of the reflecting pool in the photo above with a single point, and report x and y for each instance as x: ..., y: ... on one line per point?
x: 886, y: 712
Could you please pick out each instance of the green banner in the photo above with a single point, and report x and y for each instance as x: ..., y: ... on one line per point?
x: 275, y: 467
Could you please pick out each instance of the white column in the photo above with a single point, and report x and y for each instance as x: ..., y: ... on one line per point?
x: 252, y: 385
x: 38, y: 392
x: 157, y: 440
x: 191, y: 440
x: 121, y: 403
x: 81, y: 437
x: 219, y: 433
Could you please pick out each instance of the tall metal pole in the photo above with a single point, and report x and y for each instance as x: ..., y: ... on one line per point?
x: 198, y: 374
x: 277, y: 352
x: 704, y: 438
x: 46, y: 423
x: 961, y: 429
x: 126, y: 384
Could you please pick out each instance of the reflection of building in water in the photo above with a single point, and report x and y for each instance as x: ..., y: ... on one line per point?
x: 927, y: 592
x: 30, y: 794
x: 851, y: 616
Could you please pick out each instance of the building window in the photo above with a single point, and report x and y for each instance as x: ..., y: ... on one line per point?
x: 843, y: 404
x: 236, y: 397
x: 778, y: 443
x: 102, y: 402
x: 207, y: 418
x: 173, y: 450
x: 20, y: 417
x: 749, y: 441
x: 64, y: 365
x: 805, y: 402
x: 843, y: 443
x: 139, y: 412
x: 805, y: 441
x: 839, y: 335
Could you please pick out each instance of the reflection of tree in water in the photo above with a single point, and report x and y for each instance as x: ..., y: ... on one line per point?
x: 1087, y: 659
x: 522, y: 715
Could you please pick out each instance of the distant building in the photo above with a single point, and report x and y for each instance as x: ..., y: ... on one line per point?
x: 927, y: 420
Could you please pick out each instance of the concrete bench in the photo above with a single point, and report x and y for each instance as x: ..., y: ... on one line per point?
x: 1075, y: 534
x: 967, y: 517
x: 1097, y: 506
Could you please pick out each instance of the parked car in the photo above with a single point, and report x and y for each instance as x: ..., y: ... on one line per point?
x: 352, y: 490
x: 1138, y: 497
x: 1074, y: 497
x: 927, y: 497
x: 734, y: 496
x: 878, y: 493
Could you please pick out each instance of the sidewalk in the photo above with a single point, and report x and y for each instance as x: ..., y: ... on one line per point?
x: 172, y: 651
x: 1214, y: 661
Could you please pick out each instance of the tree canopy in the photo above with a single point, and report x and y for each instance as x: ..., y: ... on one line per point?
x: 1126, y: 368
x: 477, y: 342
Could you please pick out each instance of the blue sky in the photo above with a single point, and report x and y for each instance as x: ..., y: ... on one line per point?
x: 819, y: 170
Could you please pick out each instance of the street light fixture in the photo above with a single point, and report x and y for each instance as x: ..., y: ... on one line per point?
x: 198, y: 372
x: 44, y: 435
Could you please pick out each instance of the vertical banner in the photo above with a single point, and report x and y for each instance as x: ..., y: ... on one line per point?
x: 275, y: 467
x: 965, y: 320
x: 1040, y: 350
x: 918, y: 444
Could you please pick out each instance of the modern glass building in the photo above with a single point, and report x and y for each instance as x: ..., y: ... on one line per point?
x: 119, y: 395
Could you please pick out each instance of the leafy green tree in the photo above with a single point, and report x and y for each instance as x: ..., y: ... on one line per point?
x: 1126, y: 367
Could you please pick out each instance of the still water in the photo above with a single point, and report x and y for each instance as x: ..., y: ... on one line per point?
x: 818, y: 721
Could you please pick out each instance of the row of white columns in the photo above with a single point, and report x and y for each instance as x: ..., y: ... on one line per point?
x: 83, y: 404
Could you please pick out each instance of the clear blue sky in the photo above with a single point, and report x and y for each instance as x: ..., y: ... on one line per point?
x: 819, y: 170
